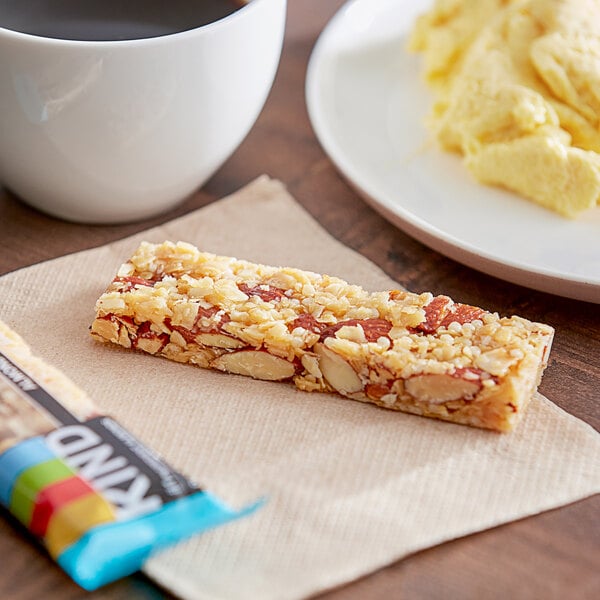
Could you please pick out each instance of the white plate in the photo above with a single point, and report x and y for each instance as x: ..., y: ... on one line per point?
x: 367, y: 105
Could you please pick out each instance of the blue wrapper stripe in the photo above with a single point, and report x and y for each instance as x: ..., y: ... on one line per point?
x: 15, y: 460
x: 109, y: 552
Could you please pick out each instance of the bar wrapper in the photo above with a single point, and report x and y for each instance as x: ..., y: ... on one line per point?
x: 98, y: 499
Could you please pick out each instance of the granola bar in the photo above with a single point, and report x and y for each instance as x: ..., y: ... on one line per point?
x: 416, y: 353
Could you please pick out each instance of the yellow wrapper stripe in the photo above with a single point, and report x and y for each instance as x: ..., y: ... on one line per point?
x: 73, y: 520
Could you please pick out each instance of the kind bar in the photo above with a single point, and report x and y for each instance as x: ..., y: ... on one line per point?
x: 99, y: 500
x: 409, y: 352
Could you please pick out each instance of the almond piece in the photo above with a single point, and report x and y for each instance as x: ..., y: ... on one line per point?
x: 308, y: 322
x: 463, y: 313
x: 496, y: 361
x: 106, y: 328
x: 440, y: 388
x: 338, y: 373
x: 372, y: 329
x: 124, y: 339
x: 376, y: 391
x: 149, y: 345
x: 435, y: 312
x: 219, y: 340
x: 266, y: 292
x: 311, y: 364
x: 256, y: 364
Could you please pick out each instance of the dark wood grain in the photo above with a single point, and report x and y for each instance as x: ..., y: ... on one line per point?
x: 552, y: 555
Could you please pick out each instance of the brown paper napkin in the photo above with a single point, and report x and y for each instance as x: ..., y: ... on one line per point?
x: 350, y: 487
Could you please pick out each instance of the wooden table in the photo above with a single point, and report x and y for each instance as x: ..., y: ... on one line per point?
x: 553, y: 555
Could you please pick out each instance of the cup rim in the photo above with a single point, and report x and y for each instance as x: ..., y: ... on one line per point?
x: 247, y: 7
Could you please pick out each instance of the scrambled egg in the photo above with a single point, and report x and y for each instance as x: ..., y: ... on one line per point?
x: 517, y: 86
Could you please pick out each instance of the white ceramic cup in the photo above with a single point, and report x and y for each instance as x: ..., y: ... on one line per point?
x: 117, y: 131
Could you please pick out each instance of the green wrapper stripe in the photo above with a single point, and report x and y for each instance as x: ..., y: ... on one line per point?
x: 31, y: 482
